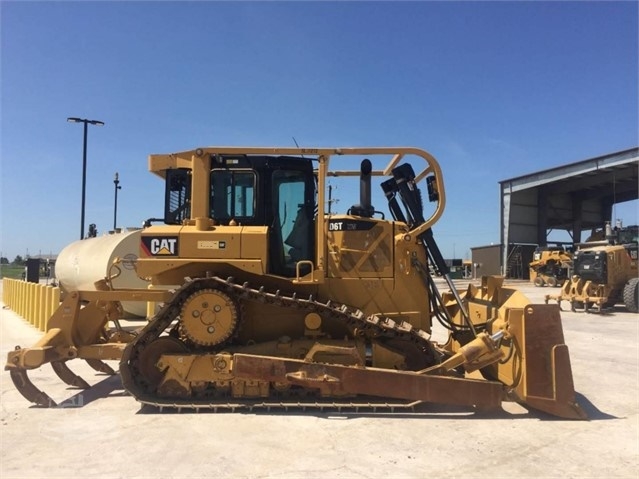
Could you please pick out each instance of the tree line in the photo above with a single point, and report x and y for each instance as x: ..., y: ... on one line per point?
x: 18, y: 260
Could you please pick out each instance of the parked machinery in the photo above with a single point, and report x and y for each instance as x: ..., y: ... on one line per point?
x: 280, y: 304
x: 550, y: 266
x: 604, y: 273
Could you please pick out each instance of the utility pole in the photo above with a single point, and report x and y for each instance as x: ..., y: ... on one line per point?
x: 84, y: 164
x: 116, y: 182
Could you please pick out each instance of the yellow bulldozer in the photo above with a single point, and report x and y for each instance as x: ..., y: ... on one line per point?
x: 269, y: 301
x: 604, y: 272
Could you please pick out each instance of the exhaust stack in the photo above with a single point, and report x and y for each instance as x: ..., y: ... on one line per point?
x: 364, y: 208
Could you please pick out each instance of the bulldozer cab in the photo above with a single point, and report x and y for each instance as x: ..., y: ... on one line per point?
x: 275, y: 192
x: 262, y: 210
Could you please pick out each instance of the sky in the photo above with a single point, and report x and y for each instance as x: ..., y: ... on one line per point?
x: 494, y: 90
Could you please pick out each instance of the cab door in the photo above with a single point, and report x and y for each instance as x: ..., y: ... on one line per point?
x: 292, y: 226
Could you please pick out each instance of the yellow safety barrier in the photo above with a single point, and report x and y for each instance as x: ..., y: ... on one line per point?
x: 34, y: 302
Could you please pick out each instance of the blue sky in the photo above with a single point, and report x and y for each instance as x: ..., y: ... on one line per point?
x: 492, y: 90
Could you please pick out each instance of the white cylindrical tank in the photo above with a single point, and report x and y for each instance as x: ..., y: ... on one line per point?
x: 82, y: 263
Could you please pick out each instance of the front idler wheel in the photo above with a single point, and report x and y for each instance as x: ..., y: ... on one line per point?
x: 150, y: 356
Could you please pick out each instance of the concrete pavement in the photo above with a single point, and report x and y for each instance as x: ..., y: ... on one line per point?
x: 102, y: 432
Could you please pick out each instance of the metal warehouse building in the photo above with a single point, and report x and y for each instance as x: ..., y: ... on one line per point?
x: 575, y: 197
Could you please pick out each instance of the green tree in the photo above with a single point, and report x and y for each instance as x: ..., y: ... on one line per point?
x: 4, y: 260
x: 18, y: 260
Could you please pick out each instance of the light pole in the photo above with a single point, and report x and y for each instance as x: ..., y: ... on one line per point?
x: 116, y: 182
x: 84, y: 164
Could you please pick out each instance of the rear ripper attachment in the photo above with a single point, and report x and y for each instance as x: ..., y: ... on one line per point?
x: 78, y: 329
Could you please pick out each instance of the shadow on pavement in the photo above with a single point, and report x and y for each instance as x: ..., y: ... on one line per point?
x: 591, y: 410
x: 419, y: 411
x: 111, y: 386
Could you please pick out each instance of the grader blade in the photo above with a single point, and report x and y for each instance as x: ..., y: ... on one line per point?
x: 31, y: 393
x: 69, y: 377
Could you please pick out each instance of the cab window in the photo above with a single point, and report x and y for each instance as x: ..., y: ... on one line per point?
x: 293, y: 223
x: 232, y: 195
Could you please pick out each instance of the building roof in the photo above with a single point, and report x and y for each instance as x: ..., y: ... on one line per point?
x: 604, y: 180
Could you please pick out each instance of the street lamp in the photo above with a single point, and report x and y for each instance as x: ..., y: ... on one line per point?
x: 84, y: 164
x: 116, y: 182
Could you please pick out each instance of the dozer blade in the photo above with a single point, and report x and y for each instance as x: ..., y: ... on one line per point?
x: 539, y: 370
x: 31, y: 393
x: 68, y: 376
x: 562, y: 402
x: 100, y: 366
x: 536, y: 369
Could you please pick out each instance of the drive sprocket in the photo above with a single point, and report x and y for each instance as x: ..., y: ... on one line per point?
x: 208, y: 317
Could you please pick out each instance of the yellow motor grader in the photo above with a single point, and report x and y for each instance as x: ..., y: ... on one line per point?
x: 605, y: 272
x: 277, y: 303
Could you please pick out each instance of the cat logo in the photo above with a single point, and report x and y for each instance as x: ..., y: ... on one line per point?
x: 160, y: 246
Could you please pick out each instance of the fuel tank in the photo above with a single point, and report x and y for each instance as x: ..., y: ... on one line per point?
x: 80, y: 264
